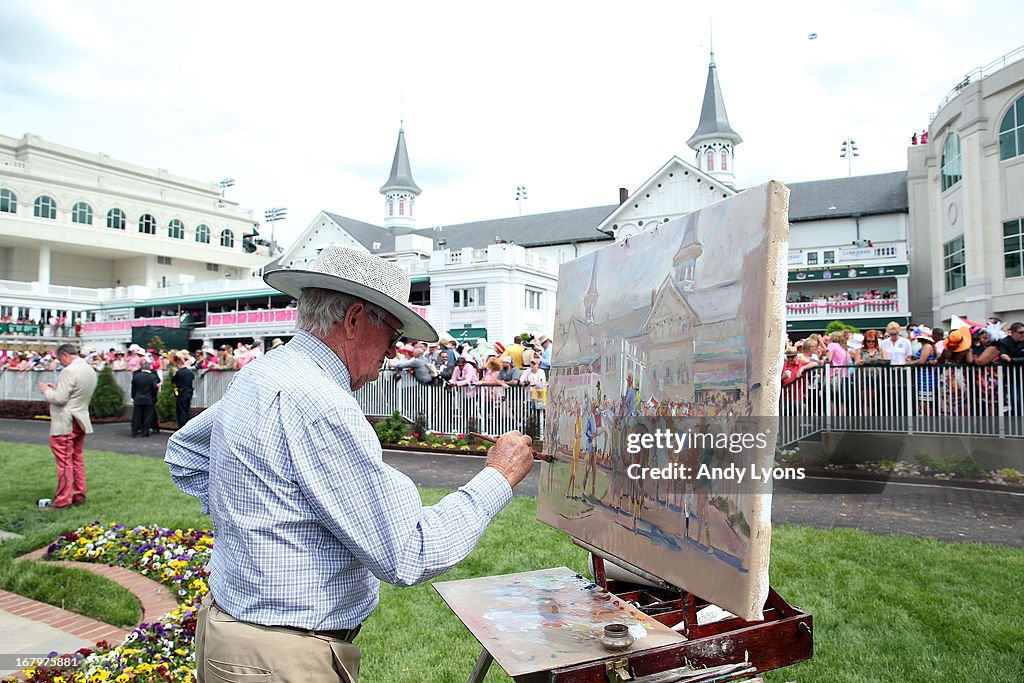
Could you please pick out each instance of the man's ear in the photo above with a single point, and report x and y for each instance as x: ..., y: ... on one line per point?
x: 351, y: 319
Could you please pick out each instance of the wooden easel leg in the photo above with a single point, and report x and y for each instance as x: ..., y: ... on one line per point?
x: 483, y: 663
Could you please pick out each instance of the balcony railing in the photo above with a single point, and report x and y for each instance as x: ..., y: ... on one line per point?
x: 107, y: 326
x: 822, y: 309
x: 274, y: 316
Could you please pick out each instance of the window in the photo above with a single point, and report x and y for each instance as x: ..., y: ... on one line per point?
x: 8, y: 202
x: 212, y: 267
x: 533, y: 299
x: 830, y: 258
x: 1013, y: 248
x: 953, y: 263
x: 812, y: 258
x: 952, y: 171
x: 147, y: 224
x: 176, y: 230
x: 45, y: 207
x: 81, y: 213
x: 115, y: 219
x: 391, y: 207
x: 203, y: 233
x: 401, y: 207
x: 470, y: 297
x: 163, y: 260
x: 227, y: 238
x: 711, y: 160
x: 725, y: 160
x: 1011, y: 132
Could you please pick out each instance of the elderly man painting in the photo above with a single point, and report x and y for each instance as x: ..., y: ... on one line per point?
x: 69, y: 423
x: 307, y: 518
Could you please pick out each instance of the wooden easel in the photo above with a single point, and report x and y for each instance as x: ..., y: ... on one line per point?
x: 726, y: 650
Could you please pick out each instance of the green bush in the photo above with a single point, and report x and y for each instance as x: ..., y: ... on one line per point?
x: 108, y: 399
x: 166, y: 400
x: 392, y: 429
x: 1011, y: 475
x: 839, y: 326
x: 961, y: 467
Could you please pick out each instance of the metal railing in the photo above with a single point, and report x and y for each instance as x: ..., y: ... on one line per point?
x: 962, y: 400
x: 491, y: 410
x: 965, y: 400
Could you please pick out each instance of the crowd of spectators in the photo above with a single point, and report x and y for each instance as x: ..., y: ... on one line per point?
x: 842, y: 353
x: 227, y: 357
x: 480, y: 366
x: 839, y: 297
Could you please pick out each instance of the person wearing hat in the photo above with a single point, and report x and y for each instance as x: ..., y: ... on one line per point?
x: 277, y: 342
x: 69, y: 423
x: 309, y: 519
x: 545, y: 355
x: 509, y: 374
x: 958, y: 343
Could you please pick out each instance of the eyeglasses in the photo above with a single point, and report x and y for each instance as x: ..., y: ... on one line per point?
x: 398, y: 334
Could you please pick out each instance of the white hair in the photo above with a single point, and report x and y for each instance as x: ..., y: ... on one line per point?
x: 322, y: 309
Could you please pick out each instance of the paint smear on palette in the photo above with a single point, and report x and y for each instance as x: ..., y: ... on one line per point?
x: 541, y: 620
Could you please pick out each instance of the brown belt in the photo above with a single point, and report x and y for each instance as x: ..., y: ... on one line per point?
x: 346, y: 634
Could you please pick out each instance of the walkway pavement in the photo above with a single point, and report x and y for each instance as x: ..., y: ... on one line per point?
x: 944, y: 512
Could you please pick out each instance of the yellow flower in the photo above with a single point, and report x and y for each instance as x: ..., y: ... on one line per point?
x: 123, y: 678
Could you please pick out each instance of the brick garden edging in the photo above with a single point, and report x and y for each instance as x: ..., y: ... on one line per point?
x: 156, y: 600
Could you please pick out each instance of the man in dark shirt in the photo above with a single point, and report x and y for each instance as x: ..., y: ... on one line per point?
x: 1011, y: 352
x: 145, y: 385
x: 183, y: 380
x: 1011, y: 347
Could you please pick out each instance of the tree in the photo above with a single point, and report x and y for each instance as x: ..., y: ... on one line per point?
x: 108, y: 399
x: 156, y: 343
x: 166, y: 400
x: 839, y: 326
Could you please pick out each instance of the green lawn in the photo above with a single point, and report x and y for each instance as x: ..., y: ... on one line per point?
x: 885, y: 608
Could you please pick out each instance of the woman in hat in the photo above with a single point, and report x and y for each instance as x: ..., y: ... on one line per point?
x: 984, y: 353
x: 923, y: 359
x: 952, y: 381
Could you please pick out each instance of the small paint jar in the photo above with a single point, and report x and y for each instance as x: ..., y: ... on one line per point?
x: 616, y: 637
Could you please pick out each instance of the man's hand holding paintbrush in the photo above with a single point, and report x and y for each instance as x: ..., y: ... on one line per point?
x: 512, y: 455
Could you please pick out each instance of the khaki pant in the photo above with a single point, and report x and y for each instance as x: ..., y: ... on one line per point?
x: 231, y: 650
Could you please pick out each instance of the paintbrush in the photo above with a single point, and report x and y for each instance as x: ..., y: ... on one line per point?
x: 537, y: 455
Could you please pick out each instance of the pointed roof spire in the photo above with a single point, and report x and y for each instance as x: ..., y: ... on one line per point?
x: 401, y: 171
x: 714, y: 122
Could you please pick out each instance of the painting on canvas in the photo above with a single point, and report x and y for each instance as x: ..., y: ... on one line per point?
x: 664, y: 386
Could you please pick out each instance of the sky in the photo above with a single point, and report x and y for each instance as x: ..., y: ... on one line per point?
x: 300, y: 103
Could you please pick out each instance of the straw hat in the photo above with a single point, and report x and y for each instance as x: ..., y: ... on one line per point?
x: 959, y: 340
x: 362, y: 275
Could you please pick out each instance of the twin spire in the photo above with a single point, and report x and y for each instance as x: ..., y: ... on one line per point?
x: 400, y: 191
x: 713, y: 141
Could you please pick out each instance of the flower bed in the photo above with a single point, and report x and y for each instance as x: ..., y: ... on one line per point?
x: 155, y: 651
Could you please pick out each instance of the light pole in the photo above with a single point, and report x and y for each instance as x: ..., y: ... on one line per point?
x: 848, y: 151
x: 272, y: 216
x: 225, y: 184
x: 520, y: 197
